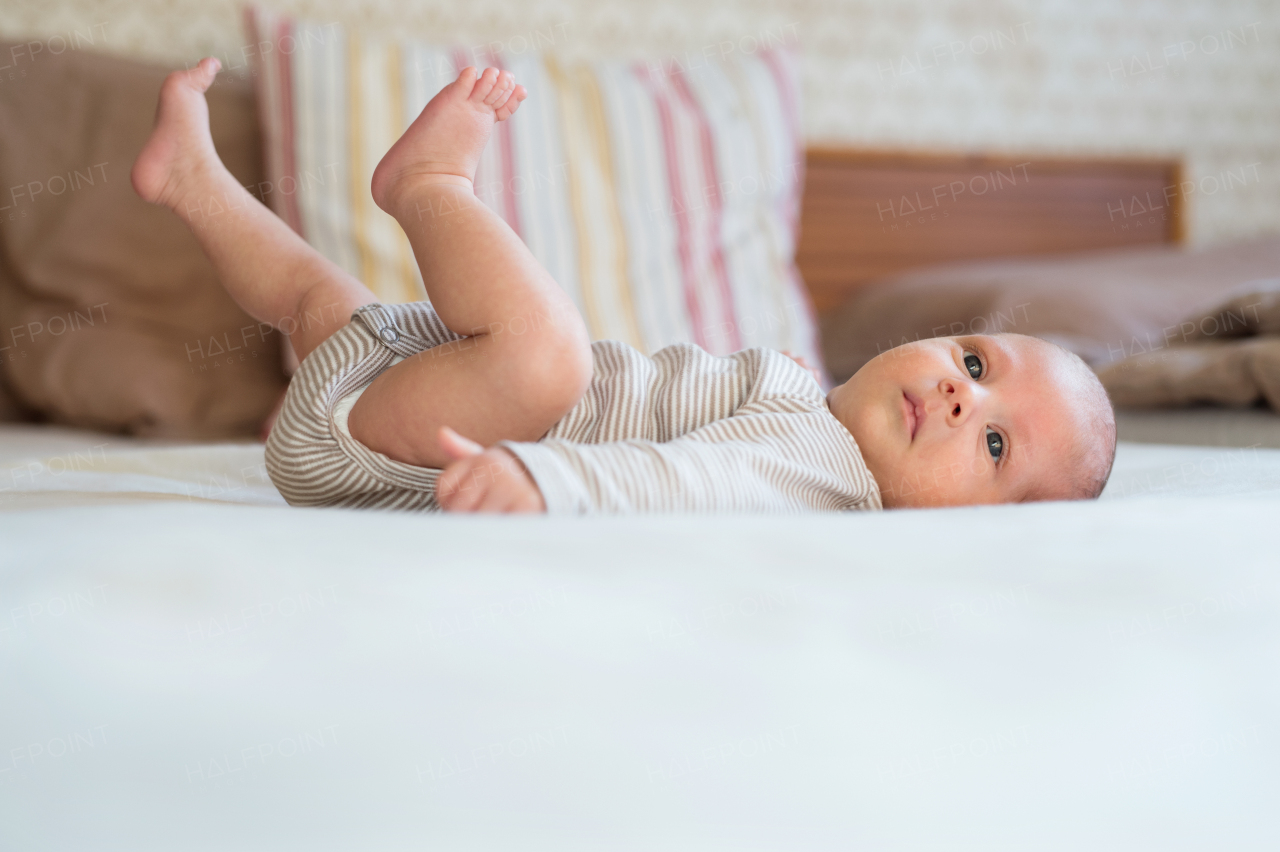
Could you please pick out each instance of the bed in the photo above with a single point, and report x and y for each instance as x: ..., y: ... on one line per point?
x: 190, y: 663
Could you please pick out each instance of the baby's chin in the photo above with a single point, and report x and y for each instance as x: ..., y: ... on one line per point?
x: 909, y: 492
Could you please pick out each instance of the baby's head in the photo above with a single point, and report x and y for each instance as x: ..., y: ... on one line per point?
x: 1003, y: 418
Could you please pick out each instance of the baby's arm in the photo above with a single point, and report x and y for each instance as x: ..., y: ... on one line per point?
x: 751, y: 462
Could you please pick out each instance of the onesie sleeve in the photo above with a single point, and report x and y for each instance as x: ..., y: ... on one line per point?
x: 754, y: 461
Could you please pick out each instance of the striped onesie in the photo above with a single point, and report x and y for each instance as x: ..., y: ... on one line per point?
x: 682, y: 430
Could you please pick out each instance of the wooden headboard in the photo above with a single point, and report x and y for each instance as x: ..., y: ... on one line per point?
x: 866, y: 214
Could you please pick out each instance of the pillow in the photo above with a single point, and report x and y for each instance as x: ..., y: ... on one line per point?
x: 1104, y: 306
x: 113, y: 317
x: 664, y: 201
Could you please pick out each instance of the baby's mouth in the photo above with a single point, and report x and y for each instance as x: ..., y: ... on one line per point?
x: 912, y: 409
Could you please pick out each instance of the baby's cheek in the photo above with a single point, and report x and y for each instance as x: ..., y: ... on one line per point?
x: 942, y: 477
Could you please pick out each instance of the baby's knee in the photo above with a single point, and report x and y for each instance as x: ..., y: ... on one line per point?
x: 545, y: 362
x: 560, y: 370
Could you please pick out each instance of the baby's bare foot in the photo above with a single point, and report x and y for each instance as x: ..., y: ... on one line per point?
x: 180, y: 147
x: 444, y: 143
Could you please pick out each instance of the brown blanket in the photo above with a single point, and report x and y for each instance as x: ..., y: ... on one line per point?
x: 1094, y: 303
x: 1227, y: 354
x: 111, y: 317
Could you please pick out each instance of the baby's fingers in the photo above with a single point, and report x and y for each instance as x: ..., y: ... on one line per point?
x: 496, y: 499
x: 466, y: 497
x: 457, y: 489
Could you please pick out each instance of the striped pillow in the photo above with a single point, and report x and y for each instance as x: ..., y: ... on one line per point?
x: 665, y: 201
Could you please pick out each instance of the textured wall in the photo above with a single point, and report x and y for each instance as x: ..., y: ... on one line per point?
x: 1194, y: 79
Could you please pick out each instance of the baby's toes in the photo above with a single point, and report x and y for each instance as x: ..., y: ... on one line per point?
x: 484, y: 86
x: 511, y: 104
x: 501, y: 89
x: 201, y: 77
x: 466, y: 82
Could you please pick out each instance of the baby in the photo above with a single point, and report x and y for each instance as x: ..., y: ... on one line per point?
x: 492, y: 398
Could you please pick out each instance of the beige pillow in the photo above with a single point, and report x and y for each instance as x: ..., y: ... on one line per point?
x: 112, y: 317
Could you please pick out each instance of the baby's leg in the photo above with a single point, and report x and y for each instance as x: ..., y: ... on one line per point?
x: 269, y: 270
x: 527, y: 361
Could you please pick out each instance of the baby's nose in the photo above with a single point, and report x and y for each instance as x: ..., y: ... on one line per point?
x: 960, y: 399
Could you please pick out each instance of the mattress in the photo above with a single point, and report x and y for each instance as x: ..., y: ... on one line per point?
x: 188, y: 663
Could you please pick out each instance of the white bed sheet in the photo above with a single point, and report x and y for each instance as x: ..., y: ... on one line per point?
x: 188, y: 667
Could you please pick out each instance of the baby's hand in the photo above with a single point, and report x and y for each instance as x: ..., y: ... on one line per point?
x: 480, y: 480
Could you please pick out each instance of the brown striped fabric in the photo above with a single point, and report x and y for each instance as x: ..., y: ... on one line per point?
x: 682, y: 430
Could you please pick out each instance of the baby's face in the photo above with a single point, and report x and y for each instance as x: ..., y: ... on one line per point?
x: 964, y: 420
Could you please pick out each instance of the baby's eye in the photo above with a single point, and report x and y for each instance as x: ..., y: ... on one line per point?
x: 995, y: 444
x: 973, y: 364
